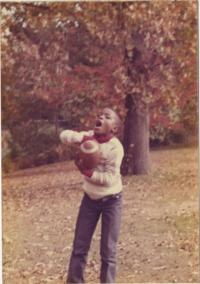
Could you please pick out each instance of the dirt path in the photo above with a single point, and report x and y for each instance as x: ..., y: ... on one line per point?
x: 159, y: 235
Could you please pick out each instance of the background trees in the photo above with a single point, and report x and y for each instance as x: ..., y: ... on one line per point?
x: 62, y: 61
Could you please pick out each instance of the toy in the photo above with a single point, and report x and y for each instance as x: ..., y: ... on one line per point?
x: 89, y: 154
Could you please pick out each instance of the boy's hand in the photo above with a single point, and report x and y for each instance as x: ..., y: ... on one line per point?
x: 79, y: 164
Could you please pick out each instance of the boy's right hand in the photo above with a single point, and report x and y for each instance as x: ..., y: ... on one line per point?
x: 79, y: 164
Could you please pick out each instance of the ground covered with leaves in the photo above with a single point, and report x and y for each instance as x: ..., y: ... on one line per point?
x: 159, y: 234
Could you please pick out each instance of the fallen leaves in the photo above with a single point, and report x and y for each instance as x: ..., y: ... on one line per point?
x: 158, y: 240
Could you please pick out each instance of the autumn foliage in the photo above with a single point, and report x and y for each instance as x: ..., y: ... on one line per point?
x: 63, y: 61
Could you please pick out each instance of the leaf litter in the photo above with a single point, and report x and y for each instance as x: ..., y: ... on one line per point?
x: 159, y: 234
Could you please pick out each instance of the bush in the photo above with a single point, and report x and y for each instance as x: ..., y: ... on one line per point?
x: 158, y: 135
x: 162, y: 136
x: 177, y: 136
x: 7, y: 163
x: 34, y: 144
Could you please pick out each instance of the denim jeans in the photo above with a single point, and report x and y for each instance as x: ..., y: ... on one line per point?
x: 89, y: 213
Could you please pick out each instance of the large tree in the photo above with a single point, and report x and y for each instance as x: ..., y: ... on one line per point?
x: 158, y: 42
x: 140, y: 54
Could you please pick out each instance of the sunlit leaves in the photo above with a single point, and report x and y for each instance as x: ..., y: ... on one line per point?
x: 59, y: 51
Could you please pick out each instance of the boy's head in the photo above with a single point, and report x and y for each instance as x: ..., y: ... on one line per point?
x: 107, y: 122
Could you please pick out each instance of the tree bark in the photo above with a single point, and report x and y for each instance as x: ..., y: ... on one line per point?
x: 136, y: 141
x: 128, y: 144
x: 56, y: 121
x: 140, y: 134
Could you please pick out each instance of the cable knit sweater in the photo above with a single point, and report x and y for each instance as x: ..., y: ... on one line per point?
x: 105, y: 179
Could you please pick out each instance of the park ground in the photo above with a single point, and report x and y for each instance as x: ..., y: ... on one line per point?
x: 159, y: 234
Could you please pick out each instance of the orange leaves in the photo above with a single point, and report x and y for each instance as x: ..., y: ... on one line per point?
x: 72, y: 55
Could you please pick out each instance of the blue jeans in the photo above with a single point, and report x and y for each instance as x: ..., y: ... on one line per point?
x: 109, y: 209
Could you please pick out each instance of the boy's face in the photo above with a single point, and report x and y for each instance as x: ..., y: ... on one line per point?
x: 106, y: 122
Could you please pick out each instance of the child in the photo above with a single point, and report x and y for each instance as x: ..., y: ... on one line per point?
x: 103, y: 197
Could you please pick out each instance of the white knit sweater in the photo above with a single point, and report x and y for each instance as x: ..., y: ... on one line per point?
x: 106, y: 178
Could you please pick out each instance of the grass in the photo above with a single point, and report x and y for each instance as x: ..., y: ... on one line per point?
x: 159, y: 234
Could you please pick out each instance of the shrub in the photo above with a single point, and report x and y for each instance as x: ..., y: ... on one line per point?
x: 7, y: 163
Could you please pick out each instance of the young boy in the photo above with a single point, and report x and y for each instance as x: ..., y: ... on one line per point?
x: 102, y: 187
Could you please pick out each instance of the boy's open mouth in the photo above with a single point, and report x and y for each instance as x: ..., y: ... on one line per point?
x: 98, y: 123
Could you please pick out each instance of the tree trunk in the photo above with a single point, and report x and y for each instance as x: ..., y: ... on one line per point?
x: 56, y: 122
x: 140, y: 134
x: 136, y: 142
x: 128, y: 144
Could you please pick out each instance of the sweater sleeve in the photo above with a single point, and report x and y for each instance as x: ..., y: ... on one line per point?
x: 112, y: 168
x: 70, y: 136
